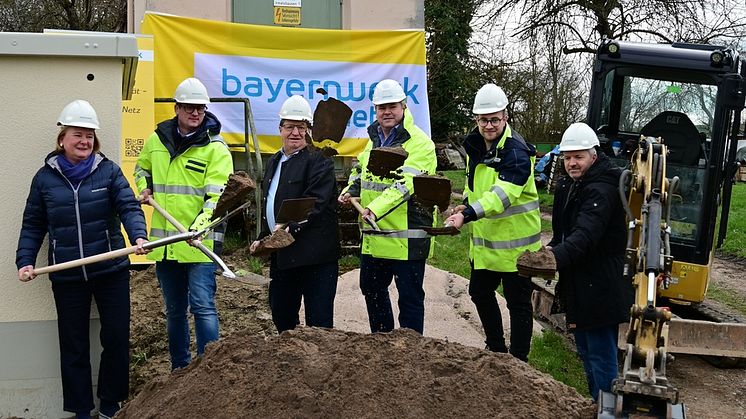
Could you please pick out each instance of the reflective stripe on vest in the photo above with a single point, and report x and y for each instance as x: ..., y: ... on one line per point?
x: 516, y: 209
x: 373, y: 186
x: 178, y: 190
x: 507, y: 244
x: 400, y: 234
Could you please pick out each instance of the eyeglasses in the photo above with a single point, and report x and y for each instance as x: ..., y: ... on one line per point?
x: 290, y: 128
x: 189, y: 108
x: 484, y: 121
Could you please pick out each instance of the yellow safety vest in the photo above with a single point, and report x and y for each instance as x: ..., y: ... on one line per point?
x: 389, y: 199
x: 509, y: 219
x: 186, y: 187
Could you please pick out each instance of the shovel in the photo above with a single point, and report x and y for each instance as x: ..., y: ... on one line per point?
x: 189, y: 235
x: 291, y: 210
x: 356, y: 203
x: 432, y: 191
x: 226, y: 272
x: 384, y: 161
x: 330, y: 119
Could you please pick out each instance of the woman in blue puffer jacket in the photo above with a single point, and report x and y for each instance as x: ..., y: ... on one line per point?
x: 80, y: 199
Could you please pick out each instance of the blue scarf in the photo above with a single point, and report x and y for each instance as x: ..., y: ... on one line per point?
x: 75, y: 173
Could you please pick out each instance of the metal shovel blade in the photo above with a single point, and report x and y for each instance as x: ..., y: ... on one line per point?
x: 330, y: 120
x: 295, y: 210
x: 431, y: 191
x: 442, y: 231
x: 384, y: 161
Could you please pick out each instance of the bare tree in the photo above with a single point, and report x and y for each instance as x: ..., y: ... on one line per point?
x: 85, y: 15
x: 585, y: 22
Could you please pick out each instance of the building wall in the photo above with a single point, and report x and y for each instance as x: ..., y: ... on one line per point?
x: 36, y: 89
x: 356, y: 14
x: 212, y: 9
x: 383, y: 14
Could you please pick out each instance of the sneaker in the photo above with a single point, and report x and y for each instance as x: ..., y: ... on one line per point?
x: 108, y: 409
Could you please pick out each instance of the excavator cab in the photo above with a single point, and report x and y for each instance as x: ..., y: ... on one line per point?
x: 675, y: 110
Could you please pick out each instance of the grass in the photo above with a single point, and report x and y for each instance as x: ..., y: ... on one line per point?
x: 550, y: 353
x: 735, y: 240
x: 452, y: 254
x: 731, y: 299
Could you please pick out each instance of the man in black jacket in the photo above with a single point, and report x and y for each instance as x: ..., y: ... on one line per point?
x: 308, y: 268
x: 588, y: 243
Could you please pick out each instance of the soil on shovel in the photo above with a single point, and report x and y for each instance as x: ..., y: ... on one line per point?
x: 384, y: 161
x: 277, y: 240
x: 312, y: 372
x: 239, y: 186
x: 540, y: 263
x: 432, y: 191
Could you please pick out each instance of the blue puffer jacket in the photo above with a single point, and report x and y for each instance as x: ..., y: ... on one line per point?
x: 81, y: 221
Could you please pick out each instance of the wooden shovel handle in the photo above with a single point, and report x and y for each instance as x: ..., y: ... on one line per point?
x: 84, y: 261
x: 174, y: 222
x: 356, y: 203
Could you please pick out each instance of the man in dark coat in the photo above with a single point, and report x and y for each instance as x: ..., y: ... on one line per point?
x: 588, y: 243
x: 308, y: 268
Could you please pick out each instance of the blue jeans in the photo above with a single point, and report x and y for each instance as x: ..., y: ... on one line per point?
x: 598, y: 350
x: 189, y: 285
x: 375, y: 277
x: 73, y: 303
x: 315, y: 284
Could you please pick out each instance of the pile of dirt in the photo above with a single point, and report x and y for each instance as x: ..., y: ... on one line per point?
x: 242, y: 305
x: 312, y: 372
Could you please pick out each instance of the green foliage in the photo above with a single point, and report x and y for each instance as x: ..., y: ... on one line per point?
x: 348, y: 263
x: 450, y: 86
x: 452, y: 254
x: 546, y: 200
x: 551, y: 353
x: 233, y: 241
x: 735, y: 239
x: 457, y: 178
x: 255, y: 265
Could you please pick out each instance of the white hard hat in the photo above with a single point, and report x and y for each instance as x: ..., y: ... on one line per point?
x: 192, y: 91
x: 489, y: 99
x: 296, y: 108
x: 78, y: 113
x: 388, y: 91
x: 578, y: 136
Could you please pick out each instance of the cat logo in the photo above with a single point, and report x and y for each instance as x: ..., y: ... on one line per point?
x: 673, y: 119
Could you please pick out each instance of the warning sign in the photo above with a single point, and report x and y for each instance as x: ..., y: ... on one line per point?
x: 287, y: 16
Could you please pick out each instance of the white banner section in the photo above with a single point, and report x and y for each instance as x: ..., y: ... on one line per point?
x: 267, y: 82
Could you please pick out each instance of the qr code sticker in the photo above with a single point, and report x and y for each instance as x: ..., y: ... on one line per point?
x: 133, y: 146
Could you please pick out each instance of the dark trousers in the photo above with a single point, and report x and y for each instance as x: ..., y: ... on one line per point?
x: 315, y: 284
x: 482, y: 287
x: 375, y: 277
x: 598, y: 350
x: 73, y: 302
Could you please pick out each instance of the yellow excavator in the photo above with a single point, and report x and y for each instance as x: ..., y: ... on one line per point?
x: 670, y: 115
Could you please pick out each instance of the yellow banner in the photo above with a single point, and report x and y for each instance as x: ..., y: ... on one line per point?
x: 137, y: 121
x: 268, y: 64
